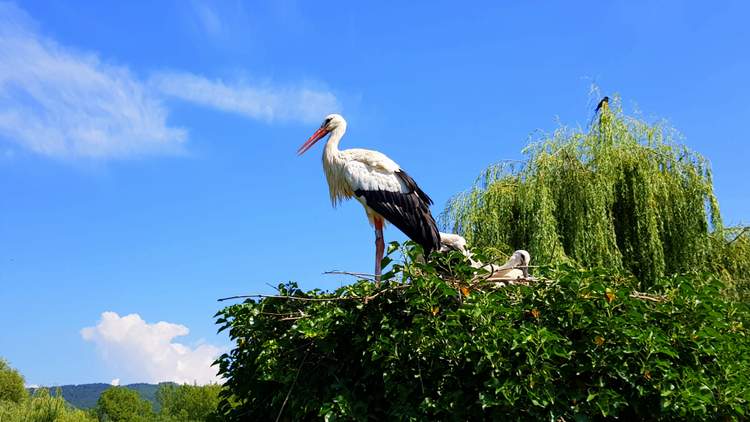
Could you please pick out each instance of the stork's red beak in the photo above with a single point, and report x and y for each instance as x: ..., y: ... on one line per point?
x: 313, y: 139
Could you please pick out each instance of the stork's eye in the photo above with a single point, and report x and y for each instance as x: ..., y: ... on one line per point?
x: 325, y: 123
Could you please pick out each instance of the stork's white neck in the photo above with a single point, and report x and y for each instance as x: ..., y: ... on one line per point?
x: 331, y: 150
x: 333, y: 166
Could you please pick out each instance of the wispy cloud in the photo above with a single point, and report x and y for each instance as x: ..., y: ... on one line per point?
x: 257, y: 101
x: 63, y: 103
x: 147, y: 352
x: 207, y: 17
x: 60, y: 102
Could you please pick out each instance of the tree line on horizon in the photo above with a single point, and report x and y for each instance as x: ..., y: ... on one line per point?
x: 175, y: 403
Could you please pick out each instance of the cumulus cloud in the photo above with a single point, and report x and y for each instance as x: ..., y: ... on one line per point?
x: 148, y: 352
x: 257, y: 101
x: 115, y: 382
x: 63, y: 103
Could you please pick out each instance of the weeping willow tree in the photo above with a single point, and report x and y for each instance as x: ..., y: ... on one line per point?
x: 623, y: 194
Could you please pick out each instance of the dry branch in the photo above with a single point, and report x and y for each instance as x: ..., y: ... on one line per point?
x: 317, y: 299
x: 644, y: 296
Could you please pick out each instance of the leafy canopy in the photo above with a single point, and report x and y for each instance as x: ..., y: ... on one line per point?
x: 42, y: 407
x: 581, y: 345
x: 623, y: 195
x: 11, y: 384
x: 188, y: 402
x: 121, y: 404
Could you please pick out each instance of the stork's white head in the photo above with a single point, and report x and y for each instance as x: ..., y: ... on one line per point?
x: 521, y: 258
x: 331, y: 123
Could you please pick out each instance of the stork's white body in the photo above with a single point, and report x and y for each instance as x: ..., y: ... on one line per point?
x: 350, y: 170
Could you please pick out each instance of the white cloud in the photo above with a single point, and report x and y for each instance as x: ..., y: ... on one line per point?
x: 207, y: 17
x: 63, y: 103
x: 115, y: 382
x: 60, y: 102
x: 148, y: 353
x: 257, y: 101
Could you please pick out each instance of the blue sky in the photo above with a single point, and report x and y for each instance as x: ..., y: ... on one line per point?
x: 147, y: 149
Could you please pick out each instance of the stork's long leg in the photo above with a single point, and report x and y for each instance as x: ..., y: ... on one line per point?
x: 379, y: 248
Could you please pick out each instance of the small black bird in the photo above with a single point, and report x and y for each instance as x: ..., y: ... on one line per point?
x: 604, y: 102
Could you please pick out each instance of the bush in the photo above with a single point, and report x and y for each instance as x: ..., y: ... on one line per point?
x: 188, y: 402
x: 11, y: 384
x: 121, y: 404
x: 42, y: 407
x: 430, y: 345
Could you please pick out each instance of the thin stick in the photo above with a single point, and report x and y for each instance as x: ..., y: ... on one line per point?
x: 318, y: 299
x: 292, y: 318
x: 349, y: 273
x: 369, y: 277
x: 288, y: 314
x: 292, y: 387
x: 644, y: 296
x: 744, y: 230
x: 309, y: 299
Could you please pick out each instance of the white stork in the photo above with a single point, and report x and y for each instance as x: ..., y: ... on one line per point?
x: 517, y: 266
x: 379, y: 184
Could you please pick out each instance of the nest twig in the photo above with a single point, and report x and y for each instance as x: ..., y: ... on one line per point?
x: 318, y: 299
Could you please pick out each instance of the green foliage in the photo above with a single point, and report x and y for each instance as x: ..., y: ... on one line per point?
x: 11, y: 384
x: 121, y: 404
x: 623, y: 195
x: 188, y: 403
x: 84, y: 396
x: 178, y: 403
x: 42, y: 407
x: 582, y: 345
x: 732, y: 261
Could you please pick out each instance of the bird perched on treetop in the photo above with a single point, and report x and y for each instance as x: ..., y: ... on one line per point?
x: 602, y: 104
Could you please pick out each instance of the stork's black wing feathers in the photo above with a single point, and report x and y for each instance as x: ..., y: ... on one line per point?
x: 409, y: 211
x: 413, y: 187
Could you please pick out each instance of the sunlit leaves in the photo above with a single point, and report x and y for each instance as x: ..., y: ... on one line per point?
x: 577, y: 346
x: 623, y: 194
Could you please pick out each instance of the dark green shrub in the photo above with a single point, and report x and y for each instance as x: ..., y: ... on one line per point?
x: 188, y: 402
x: 11, y: 384
x: 121, y: 404
x: 582, y: 345
x: 42, y: 407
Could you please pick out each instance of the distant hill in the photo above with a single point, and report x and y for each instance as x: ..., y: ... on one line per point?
x: 84, y: 396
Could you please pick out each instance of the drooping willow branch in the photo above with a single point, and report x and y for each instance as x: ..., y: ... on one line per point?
x: 625, y: 195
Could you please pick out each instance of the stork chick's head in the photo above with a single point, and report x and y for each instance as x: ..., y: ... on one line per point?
x: 524, y: 256
x: 331, y: 122
x: 522, y: 259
